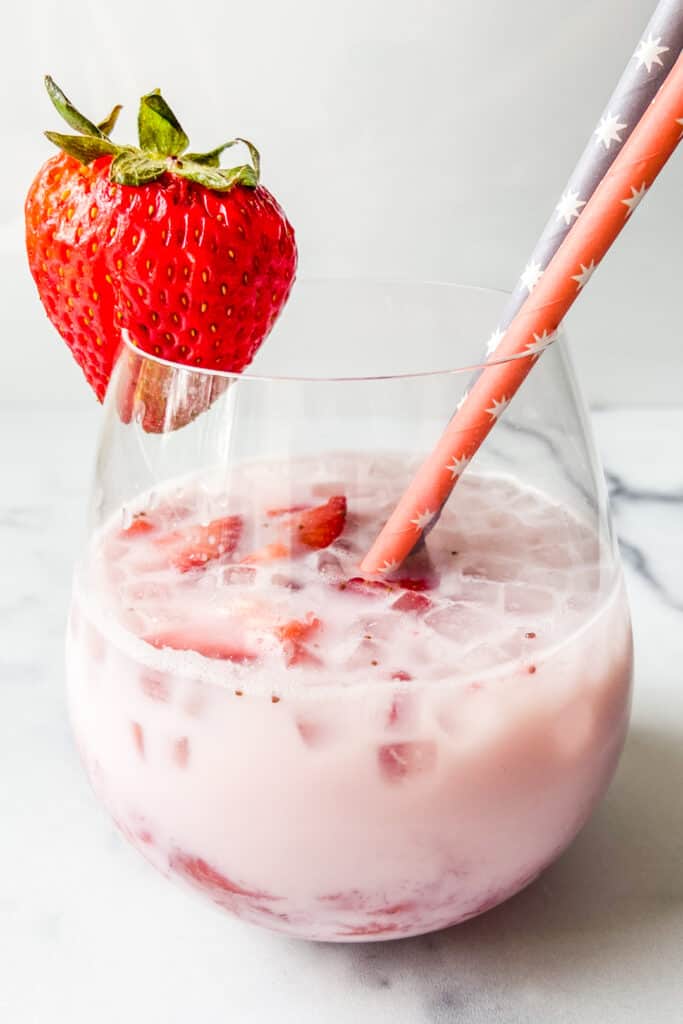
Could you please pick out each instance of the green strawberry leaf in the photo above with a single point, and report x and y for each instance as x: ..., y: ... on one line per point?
x: 220, y: 179
x: 85, y: 148
x: 158, y: 128
x: 213, y: 157
x: 107, y: 126
x: 68, y: 112
x: 131, y: 167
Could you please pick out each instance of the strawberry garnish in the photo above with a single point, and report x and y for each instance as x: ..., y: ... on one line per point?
x: 294, y: 636
x: 318, y: 527
x: 195, y: 546
x: 193, y: 261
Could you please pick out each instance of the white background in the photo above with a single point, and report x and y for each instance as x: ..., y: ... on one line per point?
x: 418, y: 138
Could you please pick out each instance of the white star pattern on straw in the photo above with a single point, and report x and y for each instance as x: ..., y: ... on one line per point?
x: 458, y: 466
x: 608, y: 130
x: 585, y: 275
x: 494, y: 341
x: 637, y: 195
x: 648, y: 53
x: 389, y: 567
x: 569, y: 206
x: 423, y: 519
x: 498, y: 408
x: 540, y: 342
x: 532, y: 275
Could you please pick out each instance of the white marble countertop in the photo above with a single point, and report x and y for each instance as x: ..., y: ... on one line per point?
x: 90, y: 934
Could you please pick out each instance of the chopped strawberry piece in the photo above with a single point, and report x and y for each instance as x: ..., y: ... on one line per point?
x: 140, y: 525
x: 294, y: 636
x: 155, y: 685
x: 399, y: 761
x: 203, y: 876
x: 203, y: 642
x: 401, y: 710
x: 411, y: 601
x: 401, y: 676
x: 418, y: 583
x: 275, y: 512
x: 138, y: 738
x: 270, y: 553
x: 194, y: 546
x: 318, y: 527
x: 368, y: 588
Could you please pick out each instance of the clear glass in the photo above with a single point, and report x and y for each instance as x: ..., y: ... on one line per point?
x: 327, y: 755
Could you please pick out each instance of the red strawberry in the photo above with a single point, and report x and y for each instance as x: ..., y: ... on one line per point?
x: 294, y: 636
x: 194, y: 546
x: 318, y: 527
x: 195, y: 262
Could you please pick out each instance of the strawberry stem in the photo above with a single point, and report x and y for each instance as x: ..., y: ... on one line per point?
x: 162, y: 145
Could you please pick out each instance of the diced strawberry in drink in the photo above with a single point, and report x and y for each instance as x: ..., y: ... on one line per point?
x: 294, y: 636
x: 270, y: 553
x: 181, y: 751
x: 140, y: 525
x: 415, y: 583
x: 401, y: 709
x: 194, y: 546
x: 203, y: 876
x: 276, y: 512
x: 318, y: 527
x: 401, y: 676
x: 400, y: 761
x: 154, y: 685
x: 203, y: 642
x: 412, y: 601
x: 138, y: 738
x: 368, y: 588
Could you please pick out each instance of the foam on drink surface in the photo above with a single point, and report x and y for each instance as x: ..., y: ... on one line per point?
x: 439, y: 735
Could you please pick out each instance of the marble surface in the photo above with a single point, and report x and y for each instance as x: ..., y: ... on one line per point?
x: 88, y: 932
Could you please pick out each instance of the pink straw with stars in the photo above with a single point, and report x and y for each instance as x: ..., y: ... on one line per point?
x: 533, y: 328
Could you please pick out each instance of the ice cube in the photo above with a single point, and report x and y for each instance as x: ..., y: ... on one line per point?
x: 525, y: 600
x: 330, y: 566
x: 459, y: 621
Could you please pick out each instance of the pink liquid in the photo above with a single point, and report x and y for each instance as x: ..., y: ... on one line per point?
x: 402, y: 759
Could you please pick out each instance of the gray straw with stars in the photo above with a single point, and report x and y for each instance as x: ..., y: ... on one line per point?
x: 655, y: 55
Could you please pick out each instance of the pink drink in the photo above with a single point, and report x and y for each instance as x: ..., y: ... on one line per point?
x: 338, y: 760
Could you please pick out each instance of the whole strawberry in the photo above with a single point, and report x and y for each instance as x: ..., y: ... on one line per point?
x: 192, y: 260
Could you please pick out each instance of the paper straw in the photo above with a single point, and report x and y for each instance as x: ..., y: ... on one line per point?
x: 654, y: 56
x: 605, y: 214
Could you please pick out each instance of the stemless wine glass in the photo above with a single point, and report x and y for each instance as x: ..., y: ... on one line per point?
x: 329, y: 755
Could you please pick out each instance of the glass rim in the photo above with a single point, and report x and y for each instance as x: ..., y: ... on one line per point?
x: 245, y: 375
